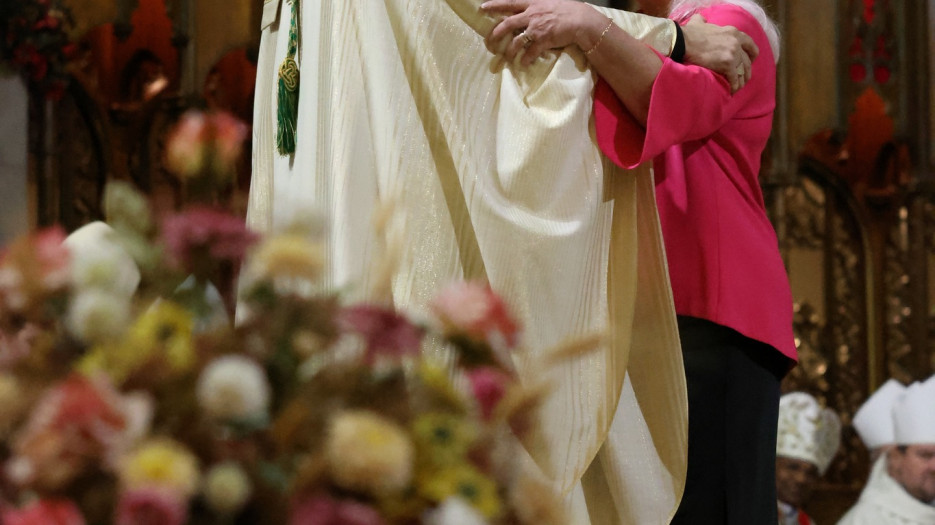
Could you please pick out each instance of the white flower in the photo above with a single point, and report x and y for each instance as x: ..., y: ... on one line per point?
x: 369, y: 452
x: 454, y: 511
x: 227, y: 488
x: 233, y: 387
x: 96, y: 315
x: 99, y: 261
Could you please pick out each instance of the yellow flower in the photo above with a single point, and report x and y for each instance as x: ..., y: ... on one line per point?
x: 438, y: 383
x: 369, y: 453
x: 289, y: 256
x: 465, y: 482
x: 442, y: 439
x: 227, y: 488
x: 163, y: 332
x: 165, y: 328
x: 112, y: 359
x: 161, y: 463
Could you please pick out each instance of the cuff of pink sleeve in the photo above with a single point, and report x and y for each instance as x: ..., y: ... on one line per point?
x: 619, y: 136
x: 624, y: 140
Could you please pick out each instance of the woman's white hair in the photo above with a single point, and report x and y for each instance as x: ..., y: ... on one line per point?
x: 684, y: 8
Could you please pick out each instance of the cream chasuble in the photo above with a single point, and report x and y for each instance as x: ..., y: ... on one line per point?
x: 497, y: 173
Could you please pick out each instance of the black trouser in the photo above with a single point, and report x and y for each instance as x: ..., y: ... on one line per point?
x: 733, y: 405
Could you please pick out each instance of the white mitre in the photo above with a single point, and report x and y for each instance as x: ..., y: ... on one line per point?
x: 914, y: 415
x: 807, y: 431
x: 99, y: 260
x: 874, y: 419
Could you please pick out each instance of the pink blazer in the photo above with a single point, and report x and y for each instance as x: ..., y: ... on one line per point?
x: 705, y: 145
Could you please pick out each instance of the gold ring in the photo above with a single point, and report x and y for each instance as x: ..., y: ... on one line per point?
x: 527, y: 40
x: 740, y: 70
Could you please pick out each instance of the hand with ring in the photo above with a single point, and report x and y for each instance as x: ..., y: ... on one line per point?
x: 537, y: 26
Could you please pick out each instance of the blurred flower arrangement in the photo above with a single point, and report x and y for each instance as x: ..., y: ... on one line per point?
x: 35, y: 43
x: 128, y: 397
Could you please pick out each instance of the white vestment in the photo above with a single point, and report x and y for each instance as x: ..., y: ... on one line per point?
x: 885, y: 502
x: 498, y: 175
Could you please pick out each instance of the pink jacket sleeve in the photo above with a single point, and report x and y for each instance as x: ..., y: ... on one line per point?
x: 687, y: 102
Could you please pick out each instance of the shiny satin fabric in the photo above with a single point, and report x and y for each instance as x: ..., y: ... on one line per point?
x: 497, y: 174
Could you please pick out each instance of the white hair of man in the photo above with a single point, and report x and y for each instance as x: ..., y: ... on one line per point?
x: 685, y: 8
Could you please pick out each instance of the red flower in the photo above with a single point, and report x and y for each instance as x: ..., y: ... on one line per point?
x: 200, y: 237
x: 385, y: 332
x: 151, y: 507
x: 45, y: 512
x: 489, y: 385
x: 325, y: 510
x: 78, y: 421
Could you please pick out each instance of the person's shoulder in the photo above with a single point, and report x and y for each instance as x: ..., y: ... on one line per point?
x: 726, y: 14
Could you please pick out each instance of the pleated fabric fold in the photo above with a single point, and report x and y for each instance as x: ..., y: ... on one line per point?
x: 496, y: 172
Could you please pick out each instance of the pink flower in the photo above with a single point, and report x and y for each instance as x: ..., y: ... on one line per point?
x: 489, y: 385
x: 322, y: 509
x: 202, y: 141
x: 32, y: 267
x: 76, y: 422
x: 229, y: 134
x: 186, y: 147
x: 45, y: 512
x: 151, y: 506
x: 53, y: 257
x: 385, y: 332
x: 199, y: 238
x: 474, y: 310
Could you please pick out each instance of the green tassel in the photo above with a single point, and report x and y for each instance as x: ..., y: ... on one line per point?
x: 287, y: 114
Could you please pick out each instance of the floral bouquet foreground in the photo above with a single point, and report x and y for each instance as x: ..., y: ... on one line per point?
x: 127, y: 396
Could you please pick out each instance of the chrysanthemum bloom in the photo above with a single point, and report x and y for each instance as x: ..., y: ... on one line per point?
x: 200, y: 238
x: 288, y: 256
x: 44, y: 512
x: 151, y: 506
x: 227, y: 488
x: 234, y: 387
x: 164, y: 330
x: 369, y: 453
x: 100, y: 262
x: 161, y: 336
x: 97, y: 315
x: 161, y: 463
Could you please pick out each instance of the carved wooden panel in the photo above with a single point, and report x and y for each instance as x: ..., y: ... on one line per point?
x: 824, y: 245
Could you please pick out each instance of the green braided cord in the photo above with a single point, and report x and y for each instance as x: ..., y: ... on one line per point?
x: 287, y: 114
